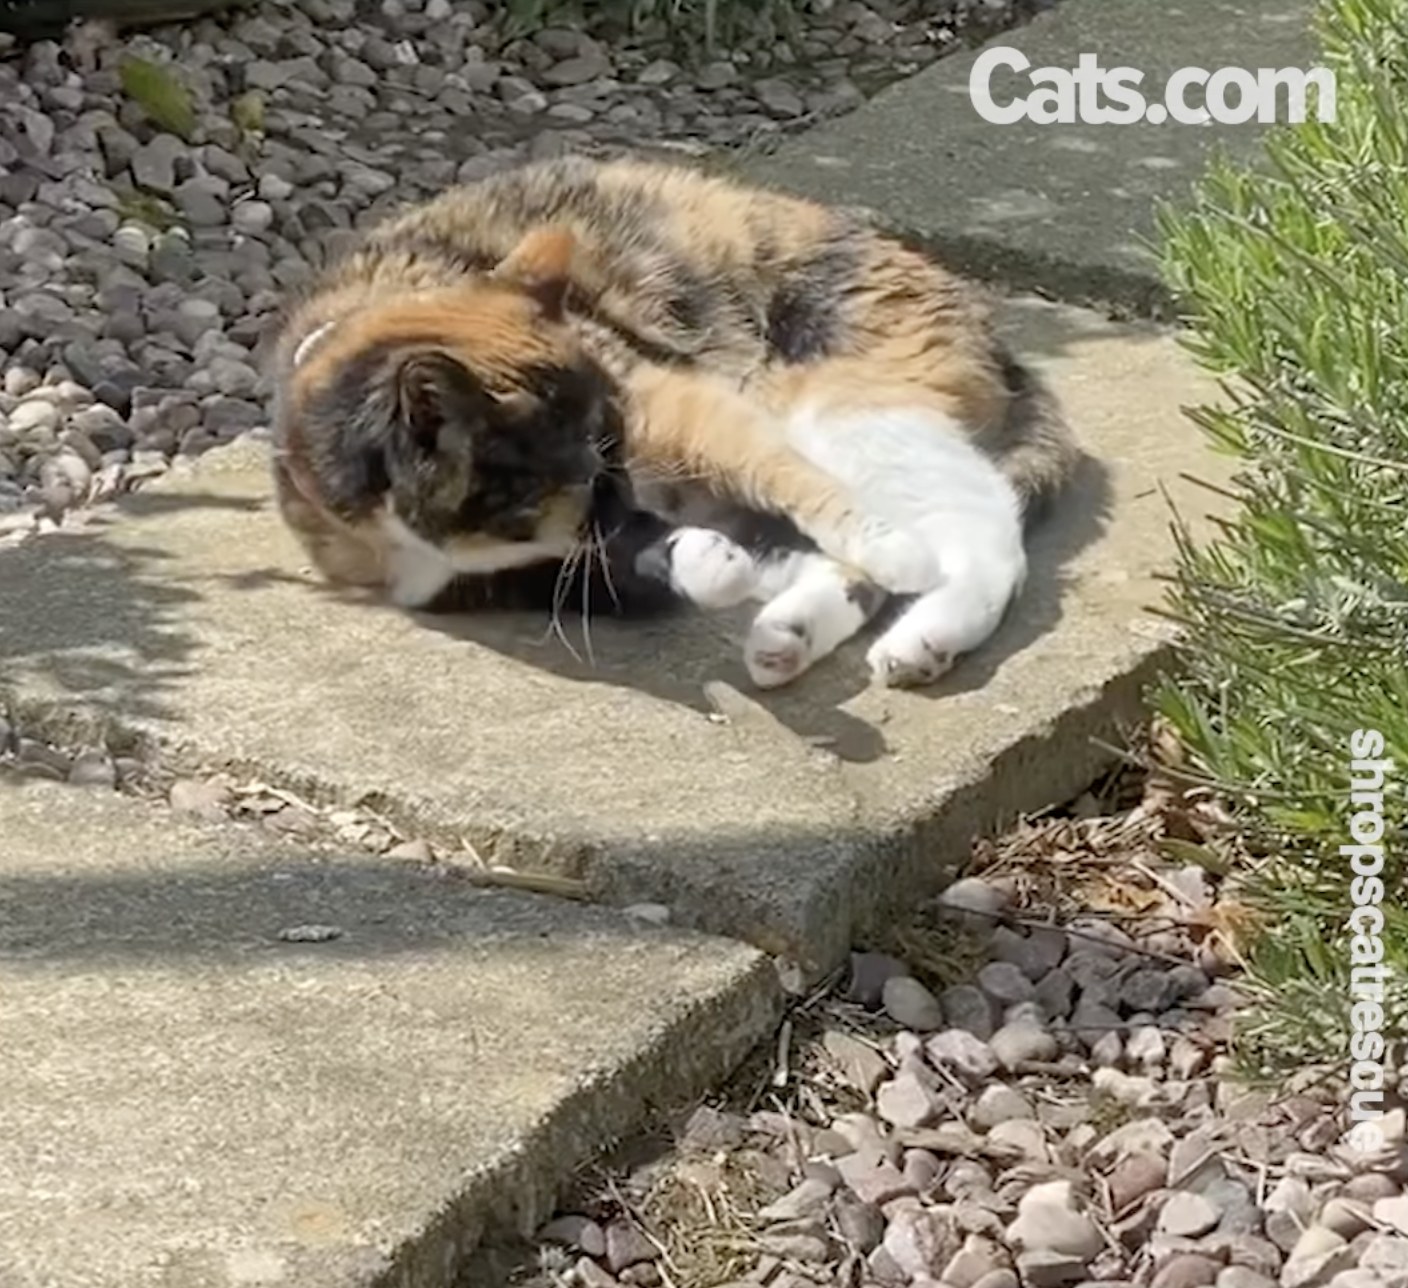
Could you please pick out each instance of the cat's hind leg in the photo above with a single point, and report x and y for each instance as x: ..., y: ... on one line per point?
x: 939, y: 627
x: 819, y: 604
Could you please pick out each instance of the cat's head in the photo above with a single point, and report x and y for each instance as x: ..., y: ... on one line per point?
x: 458, y: 429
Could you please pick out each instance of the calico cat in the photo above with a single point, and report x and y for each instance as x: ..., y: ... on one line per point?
x: 613, y: 385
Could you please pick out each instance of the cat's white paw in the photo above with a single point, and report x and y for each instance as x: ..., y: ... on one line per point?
x: 709, y: 569
x: 902, y: 659
x: 894, y: 559
x: 778, y: 651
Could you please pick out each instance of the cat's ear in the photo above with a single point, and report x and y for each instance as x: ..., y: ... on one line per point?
x: 435, y: 392
x: 541, y: 265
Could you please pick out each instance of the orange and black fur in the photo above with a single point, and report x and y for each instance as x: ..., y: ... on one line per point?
x: 718, y: 392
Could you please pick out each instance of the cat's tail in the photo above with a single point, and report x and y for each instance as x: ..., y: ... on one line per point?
x: 1034, y: 444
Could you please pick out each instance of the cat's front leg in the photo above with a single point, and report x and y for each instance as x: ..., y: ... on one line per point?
x: 703, y: 567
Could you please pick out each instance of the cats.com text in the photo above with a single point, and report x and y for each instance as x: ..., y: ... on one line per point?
x: 1090, y: 94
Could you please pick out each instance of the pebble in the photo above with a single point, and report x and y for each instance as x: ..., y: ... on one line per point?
x: 200, y: 798
x: 870, y: 972
x: 858, y: 1062
x: 1015, y: 1044
x: 577, y: 1232
x: 1036, y: 951
x: 966, y: 1055
x: 93, y: 769
x: 1048, y: 1221
x: 919, y: 1242
x: 905, y: 1101
x: 1392, y: 1213
x: 967, y: 1007
x: 974, y: 903
x: 911, y: 1005
x: 997, y: 1103
x: 1187, y: 1270
x: 1187, y: 1216
x: 1005, y: 983
x: 626, y: 1246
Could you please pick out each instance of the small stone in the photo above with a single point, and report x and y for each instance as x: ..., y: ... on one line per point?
x: 653, y: 914
x: 911, y: 1005
x: 627, y: 1246
x: 1005, y: 983
x: 967, y: 1007
x: 416, y: 851
x: 861, y: 1225
x: 1187, y: 1216
x: 1047, y: 1221
x: 1357, y: 1278
x: 1107, y: 1050
x: 1149, y: 990
x: 201, y: 798
x: 577, y: 1232
x: 1345, y: 1217
x: 1023, y: 1135
x: 1146, y: 1047
x: 1186, y: 1270
x: 660, y: 72
x: 1368, y: 1187
x: 859, y: 1063
x: 1254, y: 1253
x: 1036, y: 952
x: 969, y: 1057
x: 806, y: 1200
x: 311, y: 933
x: 870, y: 972
x: 872, y: 1179
x: 1134, y: 1176
x: 1015, y: 1044
x: 716, y: 75
x: 921, y: 1169
x: 979, y: 1256
x: 154, y: 165
x: 974, y: 902
x: 904, y: 1101
x: 1055, y: 991
x: 796, y: 1246
x: 919, y: 1242
x: 998, y: 1279
x: 591, y: 1275
x: 709, y: 1129
x: 579, y: 70
x: 1242, y: 1277
x: 34, y: 416
x: 1387, y: 1255
x: 252, y: 218
x: 1042, y: 1268
x: 1187, y: 1058
x: 93, y: 769
x: 1393, y: 1213
x: 998, y: 1103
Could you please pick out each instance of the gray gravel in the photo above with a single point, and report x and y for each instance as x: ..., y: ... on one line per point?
x: 1093, y: 1141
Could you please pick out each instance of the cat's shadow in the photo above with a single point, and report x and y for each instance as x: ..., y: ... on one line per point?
x: 674, y: 658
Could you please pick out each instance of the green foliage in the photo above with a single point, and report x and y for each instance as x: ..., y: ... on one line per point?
x: 158, y: 91
x: 1296, y: 279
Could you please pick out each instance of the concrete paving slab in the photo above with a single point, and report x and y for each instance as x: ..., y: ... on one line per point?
x: 1066, y: 208
x: 789, y: 820
x: 190, y: 1101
